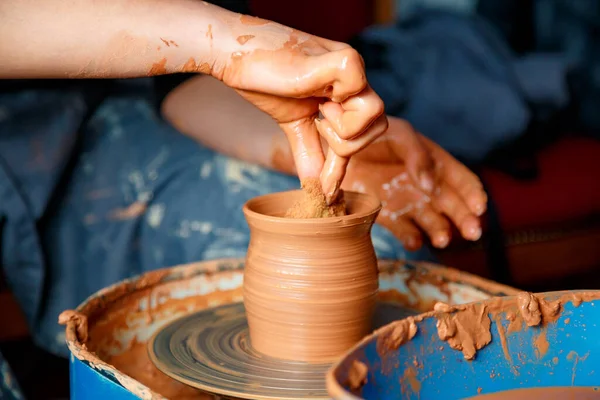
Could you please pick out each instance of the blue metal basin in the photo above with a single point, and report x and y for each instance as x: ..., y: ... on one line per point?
x: 563, y: 351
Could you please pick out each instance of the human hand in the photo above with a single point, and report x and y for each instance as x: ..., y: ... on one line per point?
x: 313, y: 88
x: 390, y: 168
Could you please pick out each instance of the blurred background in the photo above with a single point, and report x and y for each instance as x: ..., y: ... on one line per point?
x: 510, y: 87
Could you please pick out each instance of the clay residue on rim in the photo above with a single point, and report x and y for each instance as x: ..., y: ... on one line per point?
x: 396, y: 335
x: 429, y: 284
x: 133, y: 358
x: 467, y: 330
x: 357, y: 376
x: 436, y: 273
x: 534, y: 310
x: 273, y: 207
x: 466, y: 327
x: 108, y: 318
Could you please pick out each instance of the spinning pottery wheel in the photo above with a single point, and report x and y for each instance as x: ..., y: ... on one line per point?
x: 211, y: 350
x: 112, y: 361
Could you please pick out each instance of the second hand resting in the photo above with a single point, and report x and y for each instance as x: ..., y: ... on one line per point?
x: 390, y: 167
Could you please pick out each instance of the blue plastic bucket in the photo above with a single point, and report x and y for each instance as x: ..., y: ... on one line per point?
x: 562, y: 351
x: 108, y: 333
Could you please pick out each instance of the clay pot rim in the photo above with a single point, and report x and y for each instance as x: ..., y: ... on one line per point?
x: 312, y: 221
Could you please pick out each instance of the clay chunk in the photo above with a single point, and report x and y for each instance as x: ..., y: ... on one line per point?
x: 313, y: 204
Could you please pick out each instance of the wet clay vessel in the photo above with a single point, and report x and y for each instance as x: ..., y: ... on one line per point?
x: 310, y: 285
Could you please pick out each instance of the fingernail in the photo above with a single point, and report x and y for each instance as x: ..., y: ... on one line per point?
x: 479, y: 209
x: 332, y: 195
x: 441, y: 241
x: 410, y: 243
x: 475, y: 233
x: 426, y: 181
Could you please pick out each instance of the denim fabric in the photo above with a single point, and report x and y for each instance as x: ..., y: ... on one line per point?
x: 456, y: 80
x: 473, y: 75
x: 9, y: 388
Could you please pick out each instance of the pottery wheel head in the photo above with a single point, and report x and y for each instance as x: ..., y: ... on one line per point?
x: 210, y: 350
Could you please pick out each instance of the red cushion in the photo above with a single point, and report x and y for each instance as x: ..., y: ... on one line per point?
x: 567, y: 189
x: 332, y: 19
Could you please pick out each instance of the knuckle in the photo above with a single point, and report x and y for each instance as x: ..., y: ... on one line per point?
x: 403, y: 127
x: 352, y: 57
x: 376, y: 107
x: 444, y: 200
x: 352, y: 74
x: 383, y: 127
x: 418, y: 155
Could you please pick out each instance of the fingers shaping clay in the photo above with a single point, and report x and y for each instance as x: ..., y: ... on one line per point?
x: 312, y: 203
x: 310, y: 285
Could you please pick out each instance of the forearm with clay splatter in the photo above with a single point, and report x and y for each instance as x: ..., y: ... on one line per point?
x: 117, y: 38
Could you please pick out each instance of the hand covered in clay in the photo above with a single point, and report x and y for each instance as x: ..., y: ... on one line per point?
x: 291, y: 75
x: 313, y: 88
x: 391, y: 167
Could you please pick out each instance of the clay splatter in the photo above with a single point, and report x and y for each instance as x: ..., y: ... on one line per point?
x: 243, y: 39
x: 158, y: 68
